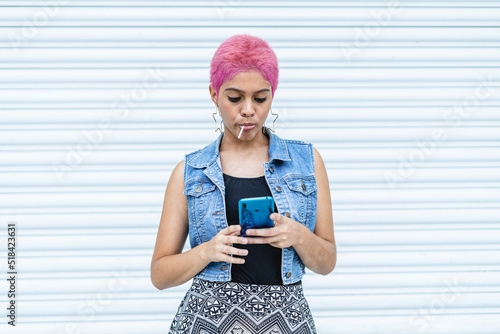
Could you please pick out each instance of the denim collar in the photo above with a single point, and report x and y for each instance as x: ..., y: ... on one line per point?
x: 210, y: 153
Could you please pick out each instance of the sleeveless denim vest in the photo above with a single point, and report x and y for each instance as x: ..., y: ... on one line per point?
x: 290, y: 177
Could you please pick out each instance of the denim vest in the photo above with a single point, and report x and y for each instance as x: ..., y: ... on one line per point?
x: 290, y: 177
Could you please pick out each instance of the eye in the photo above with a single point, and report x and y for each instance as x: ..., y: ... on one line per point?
x: 236, y: 99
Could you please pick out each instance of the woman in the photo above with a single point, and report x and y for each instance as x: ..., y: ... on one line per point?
x: 246, y: 284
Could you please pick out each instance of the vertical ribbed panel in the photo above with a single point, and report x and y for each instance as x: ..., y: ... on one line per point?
x: 99, y: 100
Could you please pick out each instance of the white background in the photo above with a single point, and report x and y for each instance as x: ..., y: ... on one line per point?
x: 99, y: 100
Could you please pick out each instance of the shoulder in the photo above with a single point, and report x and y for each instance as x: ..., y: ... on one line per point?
x: 193, y: 154
x: 210, y: 146
x: 318, y: 160
x: 295, y: 141
x: 298, y: 144
x: 306, y: 148
x: 300, y: 148
x: 178, y: 172
x: 203, y: 156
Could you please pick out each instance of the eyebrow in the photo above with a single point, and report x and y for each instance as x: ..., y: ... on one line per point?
x: 239, y: 90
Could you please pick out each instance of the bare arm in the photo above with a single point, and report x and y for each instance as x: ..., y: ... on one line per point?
x: 169, y: 266
x: 317, y: 250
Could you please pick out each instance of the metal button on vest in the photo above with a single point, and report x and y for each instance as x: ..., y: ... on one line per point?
x: 271, y: 169
x: 278, y: 189
x: 198, y: 189
x: 287, y: 214
x: 303, y: 185
x: 288, y: 274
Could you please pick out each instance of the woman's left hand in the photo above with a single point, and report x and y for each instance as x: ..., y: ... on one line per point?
x: 285, y: 233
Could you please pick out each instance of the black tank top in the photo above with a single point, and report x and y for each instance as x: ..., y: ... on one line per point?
x: 263, y: 261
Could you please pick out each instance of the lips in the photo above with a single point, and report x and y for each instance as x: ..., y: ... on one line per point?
x: 248, y: 126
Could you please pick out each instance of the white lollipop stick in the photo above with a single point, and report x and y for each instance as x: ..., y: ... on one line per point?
x: 241, y: 131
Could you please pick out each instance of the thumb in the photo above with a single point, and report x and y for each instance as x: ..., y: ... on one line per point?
x: 277, y: 218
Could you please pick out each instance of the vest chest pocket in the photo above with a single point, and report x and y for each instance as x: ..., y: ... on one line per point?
x: 302, y: 190
x: 199, y: 194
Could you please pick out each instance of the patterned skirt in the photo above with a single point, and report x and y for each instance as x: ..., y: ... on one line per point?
x: 236, y: 308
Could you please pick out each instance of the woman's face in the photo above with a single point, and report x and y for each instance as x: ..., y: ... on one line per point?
x: 244, y: 100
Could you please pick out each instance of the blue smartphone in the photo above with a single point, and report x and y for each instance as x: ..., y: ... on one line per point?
x: 254, y: 212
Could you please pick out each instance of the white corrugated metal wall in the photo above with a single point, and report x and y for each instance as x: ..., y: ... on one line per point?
x: 99, y: 100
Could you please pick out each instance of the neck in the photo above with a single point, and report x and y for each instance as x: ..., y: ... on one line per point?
x: 230, y: 143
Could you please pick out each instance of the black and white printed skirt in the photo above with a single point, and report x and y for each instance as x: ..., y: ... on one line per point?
x: 236, y: 308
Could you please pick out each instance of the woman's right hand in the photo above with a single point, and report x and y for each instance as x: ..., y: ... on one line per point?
x: 219, y: 247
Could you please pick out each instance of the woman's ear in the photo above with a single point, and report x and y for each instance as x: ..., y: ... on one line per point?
x: 213, y: 94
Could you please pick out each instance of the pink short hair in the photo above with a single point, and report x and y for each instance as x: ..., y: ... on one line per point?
x: 241, y: 53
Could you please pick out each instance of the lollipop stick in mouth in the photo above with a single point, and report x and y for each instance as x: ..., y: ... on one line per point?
x: 241, y: 131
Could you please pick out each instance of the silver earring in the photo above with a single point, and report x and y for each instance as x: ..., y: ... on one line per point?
x: 273, y: 130
x: 221, y: 124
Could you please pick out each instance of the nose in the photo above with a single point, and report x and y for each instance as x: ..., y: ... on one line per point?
x: 247, y: 109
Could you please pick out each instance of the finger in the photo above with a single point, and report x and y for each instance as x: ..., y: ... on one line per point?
x: 233, y: 234
x: 230, y: 259
x: 228, y: 249
x: 259, y: 240
x: 236, y: 240
x: 256, y: 240
x: 235, y: 251
x: 263, y: 232
x: 231, y: 229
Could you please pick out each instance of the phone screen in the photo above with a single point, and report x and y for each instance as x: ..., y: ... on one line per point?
x: 254, y: 212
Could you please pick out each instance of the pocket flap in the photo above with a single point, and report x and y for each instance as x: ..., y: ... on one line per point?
x: 198, y: 187
x: 301, y: 183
